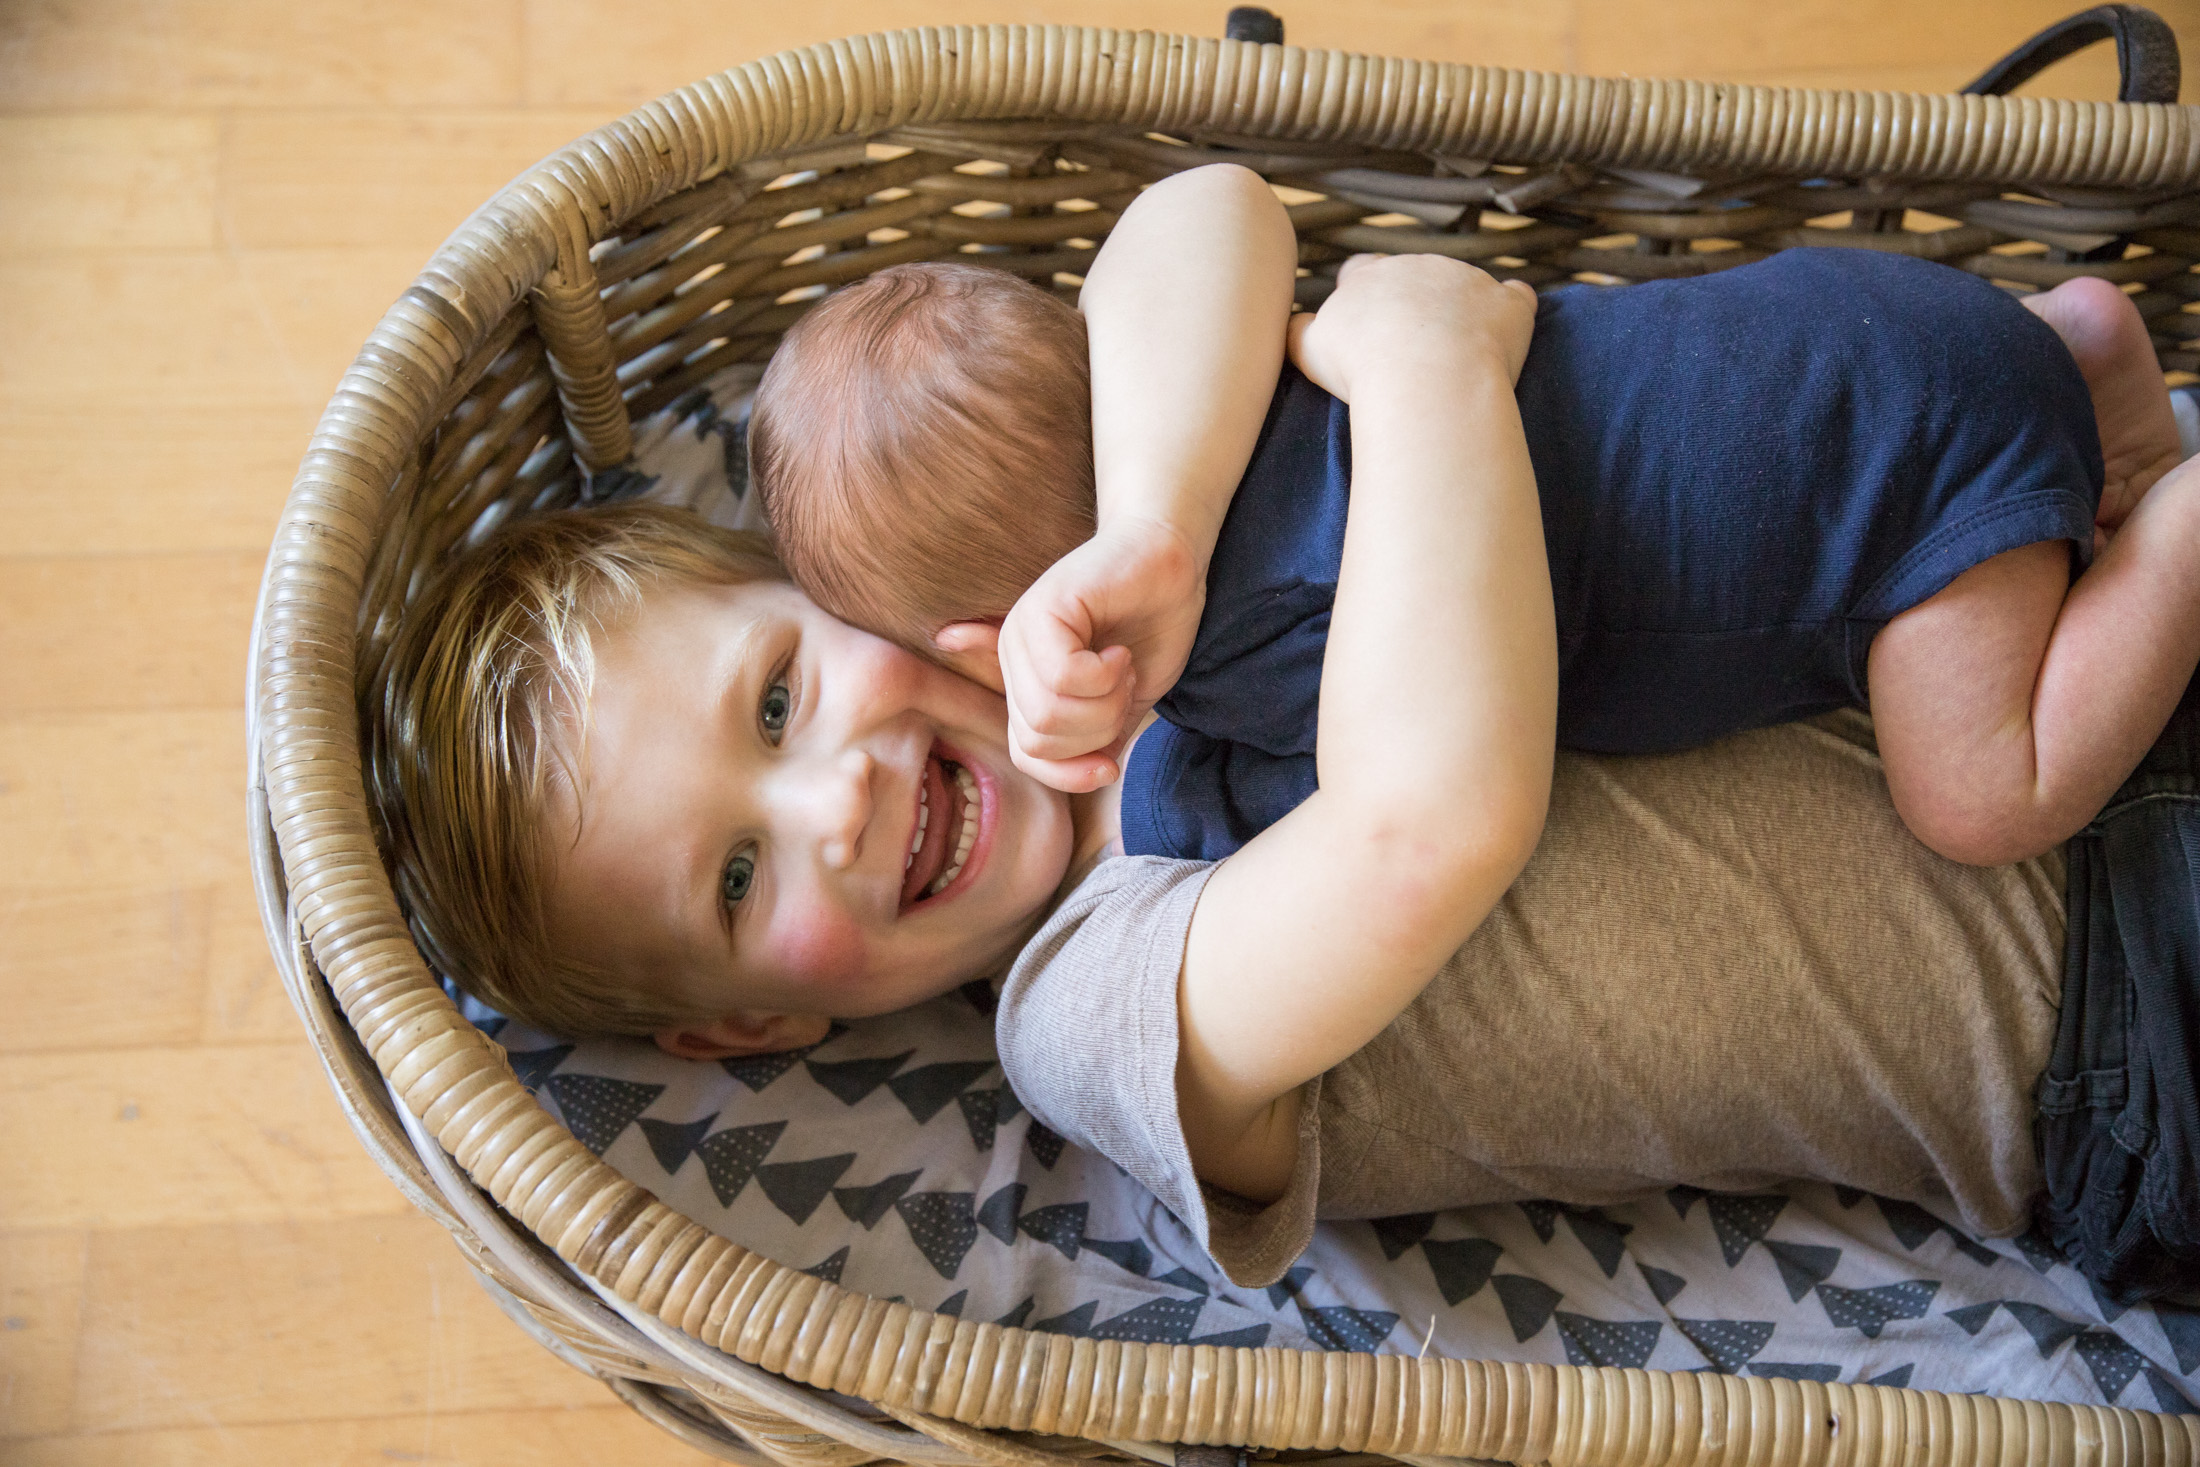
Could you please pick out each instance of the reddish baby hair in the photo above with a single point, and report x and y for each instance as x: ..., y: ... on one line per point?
x: 923, y: 444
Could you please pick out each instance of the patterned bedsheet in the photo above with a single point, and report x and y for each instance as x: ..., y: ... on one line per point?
x: 892, y: 1158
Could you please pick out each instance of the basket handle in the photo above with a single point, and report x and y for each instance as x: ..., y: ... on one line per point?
x: 2146, y: 53
x: 1251, y: 23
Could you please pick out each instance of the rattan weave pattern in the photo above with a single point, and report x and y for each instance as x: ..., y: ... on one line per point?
x: 628, y: 267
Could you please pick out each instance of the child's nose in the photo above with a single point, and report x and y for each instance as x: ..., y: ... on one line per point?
x: 843, y: 808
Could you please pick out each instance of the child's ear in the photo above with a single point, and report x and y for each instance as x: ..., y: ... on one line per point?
x: 972, y: 649
x: 736, y: 1035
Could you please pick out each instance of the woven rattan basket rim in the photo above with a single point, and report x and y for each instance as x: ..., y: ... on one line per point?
x: 315, y: 857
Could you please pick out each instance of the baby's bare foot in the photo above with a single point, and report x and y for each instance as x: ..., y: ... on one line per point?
x: 2130, y: 402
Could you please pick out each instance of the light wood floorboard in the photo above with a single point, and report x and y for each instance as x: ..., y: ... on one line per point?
x: 156, y: 172
x: 102, y: 659
x: 537, y: 1437
x: 101, y: 475
x: 185, y: 1133
x: 182, y: 55
x: 204, y: 207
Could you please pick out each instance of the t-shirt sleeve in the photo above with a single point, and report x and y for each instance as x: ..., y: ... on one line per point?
x: 1088, y: 1039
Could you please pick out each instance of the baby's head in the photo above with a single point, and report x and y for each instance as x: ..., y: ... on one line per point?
x: 923, y: 445
x: 629, y: 780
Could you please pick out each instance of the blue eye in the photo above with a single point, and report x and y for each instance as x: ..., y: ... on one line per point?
x: 774, y: 711
x: 739, y: 876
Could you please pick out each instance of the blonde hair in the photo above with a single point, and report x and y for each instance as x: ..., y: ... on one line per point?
x: 922, y: 442
x: 463, y: 726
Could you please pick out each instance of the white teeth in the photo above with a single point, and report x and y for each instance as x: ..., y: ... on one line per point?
x: 924, y: 816
x: 966, y: 785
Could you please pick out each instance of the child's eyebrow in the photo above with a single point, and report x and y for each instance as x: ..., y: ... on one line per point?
x: 751, y: 648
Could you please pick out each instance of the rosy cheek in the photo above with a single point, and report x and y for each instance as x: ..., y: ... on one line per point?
x: 823, y: 948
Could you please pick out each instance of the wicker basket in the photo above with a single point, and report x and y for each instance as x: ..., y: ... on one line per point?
x: 625, y: 269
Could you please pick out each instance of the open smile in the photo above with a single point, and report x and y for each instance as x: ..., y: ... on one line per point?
x: 944, y: 837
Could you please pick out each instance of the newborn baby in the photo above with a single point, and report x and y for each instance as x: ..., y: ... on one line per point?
x: 1833, y: 478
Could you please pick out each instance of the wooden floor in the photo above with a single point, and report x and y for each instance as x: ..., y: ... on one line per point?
x: 204, y: 206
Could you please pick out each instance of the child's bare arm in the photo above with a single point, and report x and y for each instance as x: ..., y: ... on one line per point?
x: 1437, y: 726
x: 1185, y: 309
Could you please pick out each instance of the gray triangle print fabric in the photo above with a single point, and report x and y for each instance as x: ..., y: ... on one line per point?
x: 893, y: 1159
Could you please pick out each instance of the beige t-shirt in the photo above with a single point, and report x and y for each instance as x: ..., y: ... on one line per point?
x: 1725, y: 968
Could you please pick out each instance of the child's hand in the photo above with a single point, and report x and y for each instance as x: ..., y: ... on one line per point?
x: 1089, y: 648
x: 1392, y: 310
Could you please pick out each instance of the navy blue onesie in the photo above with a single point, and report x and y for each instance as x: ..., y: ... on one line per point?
x: 1744, y: 476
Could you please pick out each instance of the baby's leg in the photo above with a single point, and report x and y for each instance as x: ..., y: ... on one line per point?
x: 2130, y: 402
x: 2009, y: 711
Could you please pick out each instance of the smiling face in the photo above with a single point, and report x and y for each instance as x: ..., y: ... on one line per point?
x: 780, y: 819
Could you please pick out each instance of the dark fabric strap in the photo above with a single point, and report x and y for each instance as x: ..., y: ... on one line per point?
x: 2146, y: 53
x: 1251, y: 23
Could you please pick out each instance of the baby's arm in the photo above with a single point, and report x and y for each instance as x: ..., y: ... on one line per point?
x: 1185, y: 309
x: 1438, y: 719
